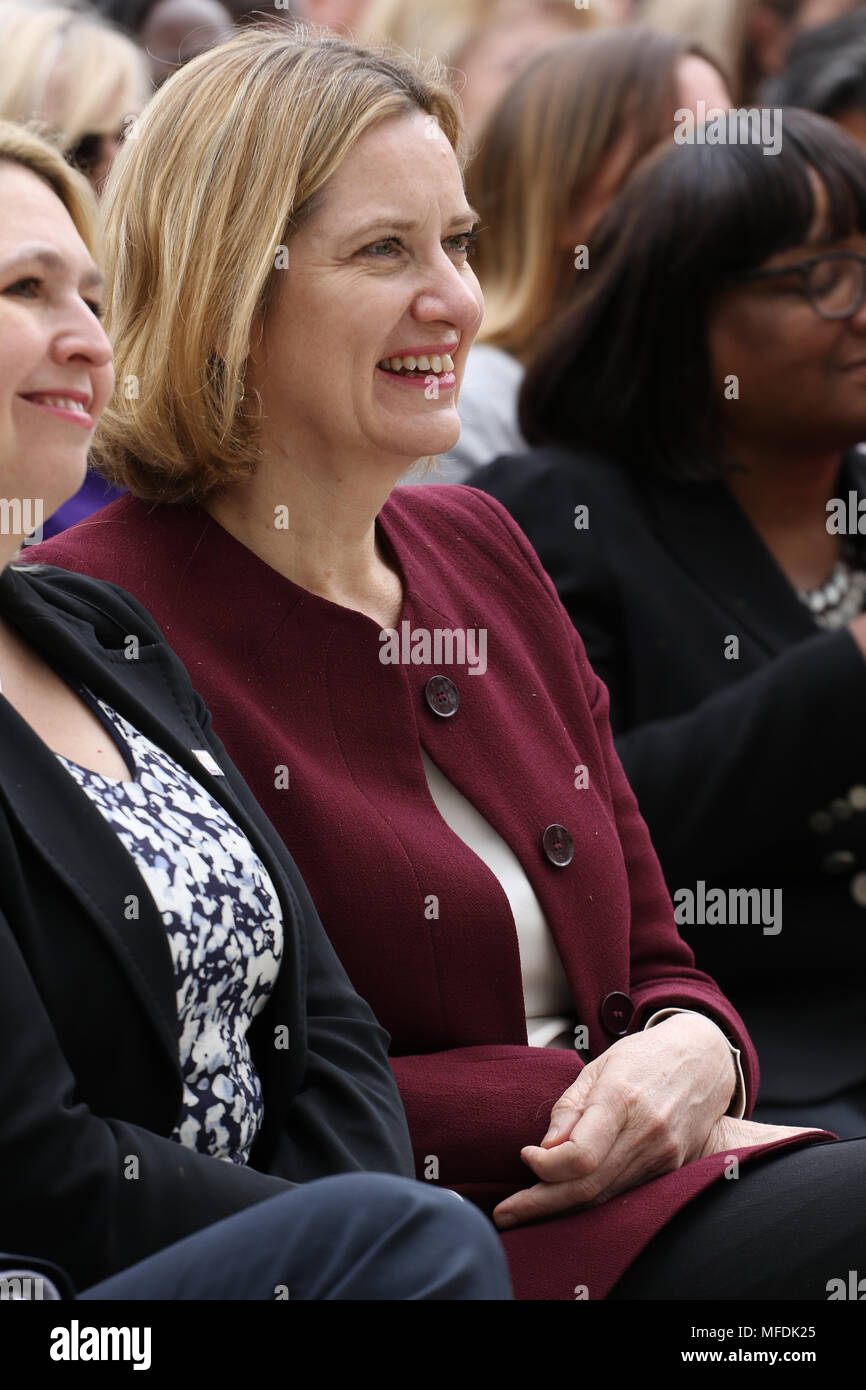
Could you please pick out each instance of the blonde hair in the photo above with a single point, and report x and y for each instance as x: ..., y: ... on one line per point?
x: 544, y: 144
x: 71, y: 72
x: 446, y: 28
x: 23, y: 146
x: 199, y: 207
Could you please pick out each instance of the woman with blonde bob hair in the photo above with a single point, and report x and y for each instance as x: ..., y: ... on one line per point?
x: 157, y: 1138
x: 291, y: 298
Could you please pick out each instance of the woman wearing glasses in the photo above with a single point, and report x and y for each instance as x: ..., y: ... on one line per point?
x: 698, y: 410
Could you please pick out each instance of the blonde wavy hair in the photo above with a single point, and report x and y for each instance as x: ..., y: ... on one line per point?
x: 199, y: 208
x: 72, y: 72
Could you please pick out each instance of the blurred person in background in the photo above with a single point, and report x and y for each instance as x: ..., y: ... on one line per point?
x: 702, y: 398
x: 558, y: 145
x: 749, y: 38
x: 484, y: 42
x: 80, y: 82
x: 826, y: 72
x: 170, y: 31
x: 76, y: 76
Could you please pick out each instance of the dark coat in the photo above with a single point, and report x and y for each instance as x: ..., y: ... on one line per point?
x: 88, y: 1018
x: 742, y: 765
x: 421, y: 924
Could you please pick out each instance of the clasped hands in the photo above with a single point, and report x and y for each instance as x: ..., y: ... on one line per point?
x: 650, y: 1103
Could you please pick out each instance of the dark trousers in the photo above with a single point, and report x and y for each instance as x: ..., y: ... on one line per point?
x: 784, y: 1228
x: 356, y: 1236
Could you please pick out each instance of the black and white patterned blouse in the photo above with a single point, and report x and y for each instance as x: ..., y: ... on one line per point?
x: 224, y: 925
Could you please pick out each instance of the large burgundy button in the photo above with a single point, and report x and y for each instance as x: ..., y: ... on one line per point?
x: 442, y: 696
x: 615, y: 1013
x: 558, y: 845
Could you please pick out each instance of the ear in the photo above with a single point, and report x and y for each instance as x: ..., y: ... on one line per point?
x: 257, y: 328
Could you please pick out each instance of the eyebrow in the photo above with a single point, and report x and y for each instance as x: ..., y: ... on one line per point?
x: 49, y: 258
x: 401, y: 224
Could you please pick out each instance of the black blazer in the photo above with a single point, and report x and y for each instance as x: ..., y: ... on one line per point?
x: 742, y: 767
x: 90, y: 1085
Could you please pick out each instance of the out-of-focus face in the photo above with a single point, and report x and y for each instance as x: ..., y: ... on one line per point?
x: 495, y: 56
x: 812, y: 13
x: 339, y: 15
x: 698, y: 80
x: 801, y: 378
x: 174, y: 31
x: 378, y: 271
x: 50, y: 342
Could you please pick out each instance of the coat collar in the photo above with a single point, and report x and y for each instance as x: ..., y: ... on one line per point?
x: 711, y: 537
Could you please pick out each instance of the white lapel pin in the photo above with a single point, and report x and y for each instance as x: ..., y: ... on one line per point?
x: 209, y: 762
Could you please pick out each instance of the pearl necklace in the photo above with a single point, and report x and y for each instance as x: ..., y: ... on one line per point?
x: 835, y: 603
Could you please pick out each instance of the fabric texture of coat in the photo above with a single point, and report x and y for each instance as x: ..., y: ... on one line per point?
x: 90, y: 1085
x: 328, y: 735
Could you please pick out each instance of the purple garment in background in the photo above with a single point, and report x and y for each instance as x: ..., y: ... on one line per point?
x: 94, y: 493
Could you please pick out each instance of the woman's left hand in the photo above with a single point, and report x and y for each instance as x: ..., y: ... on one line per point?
x: 644, y: 1107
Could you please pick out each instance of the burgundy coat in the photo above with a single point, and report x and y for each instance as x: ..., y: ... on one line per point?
x: 328, y: 737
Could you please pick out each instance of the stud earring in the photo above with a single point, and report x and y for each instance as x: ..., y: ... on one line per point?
x: 240, y: 390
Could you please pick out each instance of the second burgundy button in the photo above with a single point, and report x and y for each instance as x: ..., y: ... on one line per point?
x: 442, y: 696
x: 558, y: 845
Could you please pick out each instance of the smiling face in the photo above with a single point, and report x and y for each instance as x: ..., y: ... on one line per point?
x: 50, y: 342
x: 379, y: 270
x: 802, y: 378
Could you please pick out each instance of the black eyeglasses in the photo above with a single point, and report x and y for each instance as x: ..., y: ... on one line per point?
x: 86, y: 154
x: 835, y: 282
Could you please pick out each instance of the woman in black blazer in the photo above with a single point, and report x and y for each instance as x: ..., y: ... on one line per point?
x: 695, y: 414
x: 179, y: 1041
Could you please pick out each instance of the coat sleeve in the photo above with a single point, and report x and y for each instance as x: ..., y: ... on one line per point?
x: 348, y: 1115
x: 91, y: 1194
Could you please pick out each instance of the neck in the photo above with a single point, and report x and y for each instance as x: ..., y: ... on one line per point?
x: 316, y: 526
x: 785, y: 495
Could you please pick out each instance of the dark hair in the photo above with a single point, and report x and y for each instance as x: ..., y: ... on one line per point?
x: 129, y: 15
x: 825, y: 70
x: 625, y: 367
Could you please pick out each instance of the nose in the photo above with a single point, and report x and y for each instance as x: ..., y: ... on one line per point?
x: 857, y: 321
x: 82, y: 337
x: 452, y: 295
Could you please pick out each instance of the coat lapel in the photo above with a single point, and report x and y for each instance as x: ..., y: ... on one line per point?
x: 703, y: 528
x: 62, y: 629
